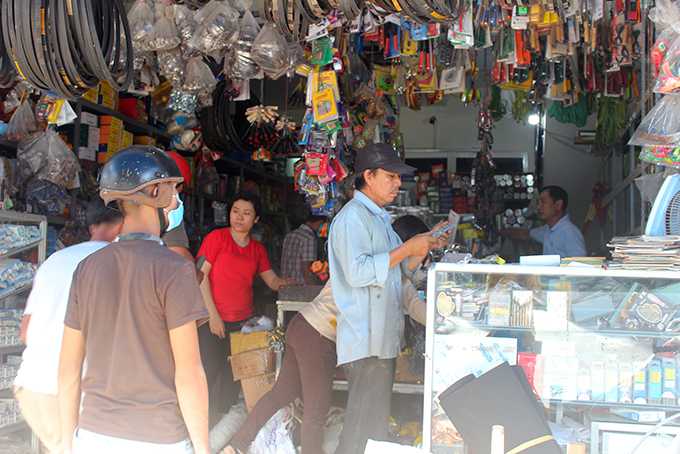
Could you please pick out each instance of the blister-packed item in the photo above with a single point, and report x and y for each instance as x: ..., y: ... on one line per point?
x: 667, y: 73
x: 48, y: 158
x: 199, y: 77
x: 141, y: 19
x: 47, y: 198
x: 240, y: 65
x: 270, y: 51
x: 16, y: 236
x: 661, y: 126
x: 23, y: 124
x: 218, y: 29
x: 164, y: 35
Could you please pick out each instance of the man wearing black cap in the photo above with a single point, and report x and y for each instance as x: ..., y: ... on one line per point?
x: 366, y: 260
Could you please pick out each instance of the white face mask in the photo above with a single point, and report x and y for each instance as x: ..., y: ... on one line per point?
x: 175, y: 216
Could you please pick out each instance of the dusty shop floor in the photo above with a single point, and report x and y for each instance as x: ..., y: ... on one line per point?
x: 405, y: 408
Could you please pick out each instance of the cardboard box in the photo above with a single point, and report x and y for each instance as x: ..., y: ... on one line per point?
x: 92, y: 94
x: 253, y: 363
x: 126, y: 140
x: 88, y: 153
x: 86, y: 118
x: 256, y: 387
x: 402, y: 373
x: 144, y: 140
x: 246, y: 342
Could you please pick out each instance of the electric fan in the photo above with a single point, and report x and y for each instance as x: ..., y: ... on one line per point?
x: 664, y: 219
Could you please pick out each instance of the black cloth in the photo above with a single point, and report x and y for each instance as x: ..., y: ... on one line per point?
x: 370, y: 382
x: 215, y: 354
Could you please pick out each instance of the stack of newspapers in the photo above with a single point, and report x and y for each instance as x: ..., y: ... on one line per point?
x: 645, y: 253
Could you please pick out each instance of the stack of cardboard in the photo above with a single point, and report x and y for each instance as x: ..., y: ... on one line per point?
x: 254, y: 363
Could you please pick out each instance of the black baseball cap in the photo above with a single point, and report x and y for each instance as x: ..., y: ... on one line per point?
x: 380, y: 156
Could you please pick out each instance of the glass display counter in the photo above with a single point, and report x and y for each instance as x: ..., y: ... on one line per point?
x: 596, y: 345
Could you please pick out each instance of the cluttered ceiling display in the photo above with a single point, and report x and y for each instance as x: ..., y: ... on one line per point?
x: 359, y: 62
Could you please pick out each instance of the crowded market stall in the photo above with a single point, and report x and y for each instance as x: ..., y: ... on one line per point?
x: 534, y: 144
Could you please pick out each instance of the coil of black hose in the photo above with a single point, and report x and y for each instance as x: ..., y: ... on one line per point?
x: 68, y: 46
x: 220, y: 131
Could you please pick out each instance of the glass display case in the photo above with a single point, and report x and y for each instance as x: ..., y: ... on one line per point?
x: 598, y: 346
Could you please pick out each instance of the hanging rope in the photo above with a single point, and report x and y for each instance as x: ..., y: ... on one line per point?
x: 576, y: 114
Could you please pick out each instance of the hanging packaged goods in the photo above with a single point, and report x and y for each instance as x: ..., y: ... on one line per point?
x: 359, y: 62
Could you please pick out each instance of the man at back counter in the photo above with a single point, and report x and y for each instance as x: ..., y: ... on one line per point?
x: 559, y: 236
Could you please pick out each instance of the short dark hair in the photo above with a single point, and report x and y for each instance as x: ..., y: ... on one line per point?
x: 248, y: 196
x: 557, y: 193
x: 409, y: 226
x: 311, y: 217
x: 360, y: 181
x: 99, y: 213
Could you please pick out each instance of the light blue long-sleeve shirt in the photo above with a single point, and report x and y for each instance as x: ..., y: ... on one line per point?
x: 365, y: 290
x: 563, y: 239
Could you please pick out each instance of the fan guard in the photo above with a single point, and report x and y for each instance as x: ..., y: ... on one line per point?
x: 673, y: 215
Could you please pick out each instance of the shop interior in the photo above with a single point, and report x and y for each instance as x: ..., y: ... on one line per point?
x: 488, y: 101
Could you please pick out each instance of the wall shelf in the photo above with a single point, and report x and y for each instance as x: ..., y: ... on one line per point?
x: 134, y: 124
x: 6, y: 430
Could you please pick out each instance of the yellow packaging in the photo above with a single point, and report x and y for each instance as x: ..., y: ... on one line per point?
x: 126, y: 140
x: 144, y: 140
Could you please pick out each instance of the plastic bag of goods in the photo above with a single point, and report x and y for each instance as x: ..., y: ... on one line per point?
x: 240, y: 65
x: 667, y: 73
x: 23, y: 124
x: 172, y: 66
x: 185, y: 20
x: 661, y: 126
x: 164, y: 35
x: 218, y: 27
x: 48, y: 158
x: 141, y: 19
x: 270, y: 52
x: 199, y: 77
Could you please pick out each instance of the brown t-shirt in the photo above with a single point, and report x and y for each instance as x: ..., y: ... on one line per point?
x: 125, y: 298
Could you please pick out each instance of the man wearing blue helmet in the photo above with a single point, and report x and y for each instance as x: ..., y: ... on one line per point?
x: 132, y: 314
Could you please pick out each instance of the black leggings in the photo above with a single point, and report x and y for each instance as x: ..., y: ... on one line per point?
x: 214, y: 355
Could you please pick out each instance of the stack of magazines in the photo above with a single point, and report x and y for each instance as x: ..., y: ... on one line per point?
x: 645, y: 252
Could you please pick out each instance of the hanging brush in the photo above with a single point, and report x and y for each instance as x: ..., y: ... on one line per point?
x: 286, y: 143
x: 262, y: 131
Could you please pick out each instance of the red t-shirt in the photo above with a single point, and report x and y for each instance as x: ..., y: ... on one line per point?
x: 232, y: 272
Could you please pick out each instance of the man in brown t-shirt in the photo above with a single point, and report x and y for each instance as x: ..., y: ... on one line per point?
x: 132, y: 314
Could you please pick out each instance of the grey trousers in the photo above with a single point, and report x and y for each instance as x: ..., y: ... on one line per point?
x: 370, y: 383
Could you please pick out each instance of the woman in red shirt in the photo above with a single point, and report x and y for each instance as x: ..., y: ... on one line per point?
x: 233, y: 258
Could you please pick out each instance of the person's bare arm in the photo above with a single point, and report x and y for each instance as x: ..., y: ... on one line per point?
x: 307, y: 273
x: 23, y: 329
x: 69, y: 378
x: 516, y: 234
x: 216, y: 322
x: 191, y: 385
x: 273, y: 281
